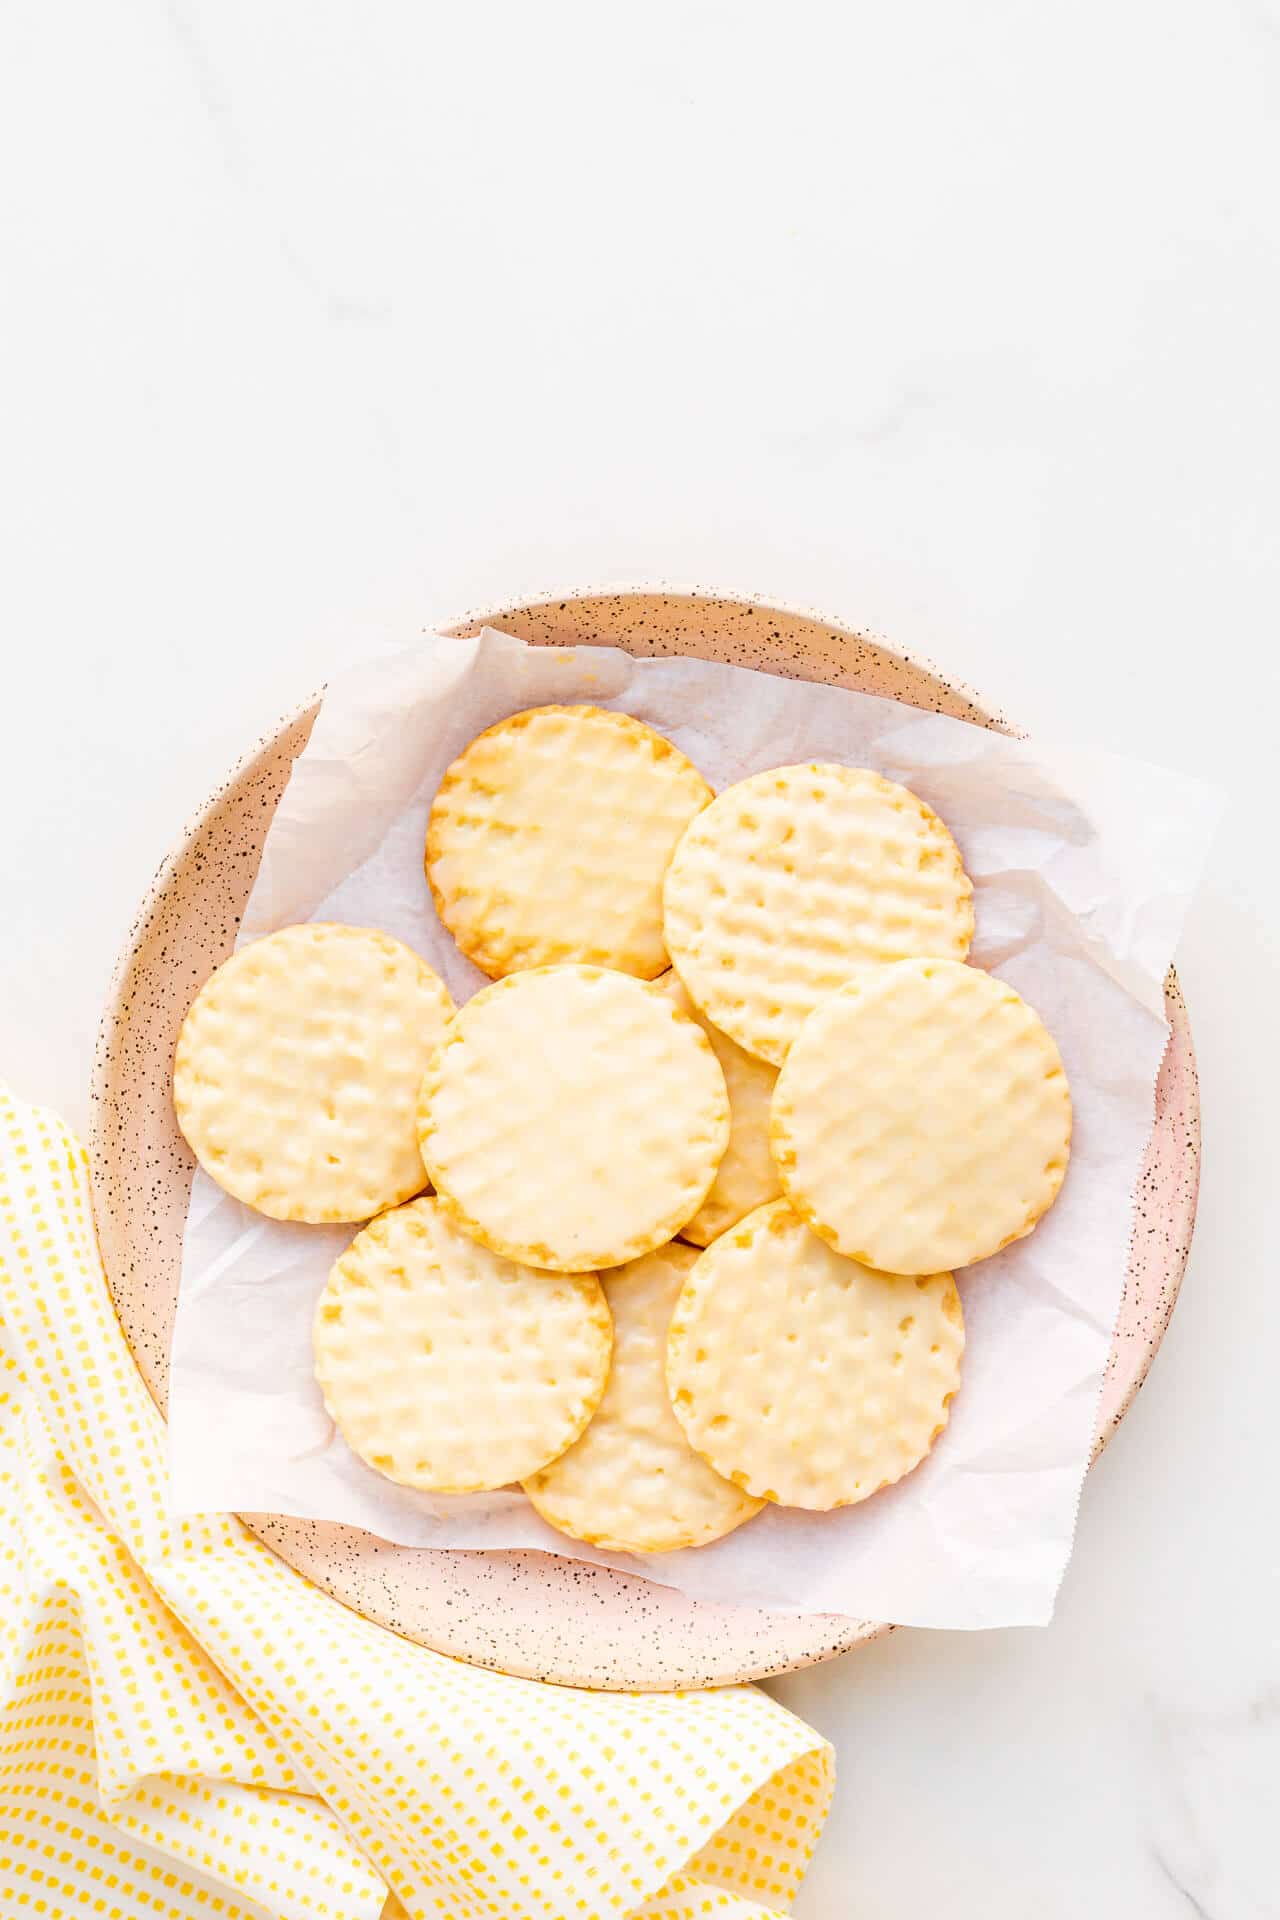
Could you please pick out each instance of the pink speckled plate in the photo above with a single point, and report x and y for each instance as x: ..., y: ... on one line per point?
x: 529, y: 1613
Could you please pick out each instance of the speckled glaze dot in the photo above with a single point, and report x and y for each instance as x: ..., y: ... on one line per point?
x: 530, y: 1613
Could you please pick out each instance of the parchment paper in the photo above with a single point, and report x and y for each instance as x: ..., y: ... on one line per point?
x: 1083, y: 865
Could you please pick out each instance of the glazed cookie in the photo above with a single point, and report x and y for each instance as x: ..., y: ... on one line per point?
x: 573, y: 1118
x: 448, y: 1368
x: 791, y: 880
x: 747, y: 1176
x: 549, y: 837
x: 804, y: 1377
x: 922, y: 1118
x: 297, y: 1071
x: 633, y: 1483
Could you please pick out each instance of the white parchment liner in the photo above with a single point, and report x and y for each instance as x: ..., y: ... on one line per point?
x: 1083, y: 866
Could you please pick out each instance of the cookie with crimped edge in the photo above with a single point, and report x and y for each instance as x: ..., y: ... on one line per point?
x: 448, y: 1368
x: 806, y: 1378
x: 922, y: 1118
x: 747, y: 1176
x: 573, y: 1117
x: 549, y: 837
x: 791, y: 880
x: 297, y: 1071
x: 632, y: 1483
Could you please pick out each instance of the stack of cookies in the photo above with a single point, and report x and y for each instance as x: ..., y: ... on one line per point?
x: 662, y: 1224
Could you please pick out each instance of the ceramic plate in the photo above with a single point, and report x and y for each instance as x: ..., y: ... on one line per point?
x: 529, y: 1613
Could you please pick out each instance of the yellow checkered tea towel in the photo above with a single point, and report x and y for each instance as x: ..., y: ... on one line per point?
x: 188, y: 1728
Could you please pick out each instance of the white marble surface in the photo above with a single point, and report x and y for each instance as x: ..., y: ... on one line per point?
x: 324, y: 322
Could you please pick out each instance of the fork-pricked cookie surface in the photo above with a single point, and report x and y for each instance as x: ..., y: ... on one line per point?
x: 297, y: 1071
x: 549, y: 837
x: 747, y: 1176
x: 573, y: 1118
x: 632, y: 1483
x: 792, y: 879
x: 806, y: 1378
x: 449, y: 1368
x: 922, y: 1118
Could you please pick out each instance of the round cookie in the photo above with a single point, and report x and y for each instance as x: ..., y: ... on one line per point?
x: 633, y: 1483
x: 448, y: 1368
x: 573, y: 1118
x: 297, y: 1071
x: 747, y: 1176
x: 549, y: 837
x: 922, y: 1118
x: 791, y: 880
x: 804, y: 1377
